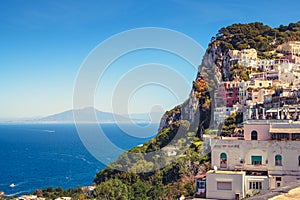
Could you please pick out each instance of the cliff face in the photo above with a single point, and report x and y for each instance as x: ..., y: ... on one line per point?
x: 214, y: 68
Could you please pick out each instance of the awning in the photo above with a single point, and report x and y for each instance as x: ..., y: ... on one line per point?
x: 257, y: 158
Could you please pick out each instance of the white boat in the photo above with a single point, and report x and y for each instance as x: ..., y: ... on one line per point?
x: 12, y: 185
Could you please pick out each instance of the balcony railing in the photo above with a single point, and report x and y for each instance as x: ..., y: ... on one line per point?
x: 255, y: 167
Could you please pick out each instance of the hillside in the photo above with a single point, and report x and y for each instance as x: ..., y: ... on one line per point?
x: 164, y: 168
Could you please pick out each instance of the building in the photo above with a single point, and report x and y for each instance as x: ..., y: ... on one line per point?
x: 221, y: 113
x: 200, y: 180
x: 263, y: 83
x: 266, y: 157
x: 227, y: 94
x: 243, y: 86
x: 257, y: 95
x: 225, y: 184
x: 291, y: 47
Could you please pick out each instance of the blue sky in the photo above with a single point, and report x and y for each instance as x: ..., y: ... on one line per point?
x: 43, y: 44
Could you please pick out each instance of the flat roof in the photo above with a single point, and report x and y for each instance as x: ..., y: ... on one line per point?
x: 285, y: 130
x: 268, y: 121
x: 224, y: 172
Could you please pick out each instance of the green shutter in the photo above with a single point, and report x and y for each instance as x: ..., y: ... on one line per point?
x: 278, y: 157
x: 256, y: 158
x: 223, y: 155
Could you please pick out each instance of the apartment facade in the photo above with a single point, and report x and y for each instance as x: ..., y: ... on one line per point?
x: 268, y: 154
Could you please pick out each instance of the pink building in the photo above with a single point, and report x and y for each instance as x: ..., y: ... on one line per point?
x: 227, y: 94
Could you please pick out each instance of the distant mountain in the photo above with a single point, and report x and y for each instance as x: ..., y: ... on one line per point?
x: 90, y: 115
x: 87, y: 115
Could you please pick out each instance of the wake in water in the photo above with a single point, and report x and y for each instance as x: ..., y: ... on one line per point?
x: 15, y: 185
x: 48, y: 131
x: 17, y: 193
x: 21, y: 183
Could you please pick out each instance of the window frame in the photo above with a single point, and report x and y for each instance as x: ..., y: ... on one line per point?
x: 254, y: 134
x: 278, y: 160
x: 223, y: 182
x: 255, y: 185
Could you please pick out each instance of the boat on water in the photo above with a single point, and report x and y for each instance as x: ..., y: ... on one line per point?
x: 12, y: 185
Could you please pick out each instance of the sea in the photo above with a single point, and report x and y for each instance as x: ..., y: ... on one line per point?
x: 37, y: 156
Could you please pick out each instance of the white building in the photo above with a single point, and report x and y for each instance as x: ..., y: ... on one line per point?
x: 225, y: 184
x: 268, y: 156
x: 221, y: 113
x: 243, y: 91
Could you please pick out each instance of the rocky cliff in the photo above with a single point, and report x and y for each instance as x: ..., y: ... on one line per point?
x: 214, y: 68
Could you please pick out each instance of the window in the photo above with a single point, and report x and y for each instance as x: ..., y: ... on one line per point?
x: 280, y: 136
x: 278, y: 160
x: 278, y: 184
x: 255, y: 185
x: 223, y: 160
x: 256, y: 160
x: 295, y: 136
x: 298, y: 160
x: 253, y: 135
x: 278, y: 178
x: 224, y: 186
x: 201, y: 184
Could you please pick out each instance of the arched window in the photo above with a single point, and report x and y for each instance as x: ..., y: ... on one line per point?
x: 253, y: 135
x: 223, y: 160
x: 278, y: 160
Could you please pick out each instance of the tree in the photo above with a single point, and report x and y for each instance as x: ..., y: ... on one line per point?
x: 112, y: 189
x: 140, y: 190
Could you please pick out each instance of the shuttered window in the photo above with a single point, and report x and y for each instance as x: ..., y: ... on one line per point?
x: 224, y: 185
x: 256, y: 160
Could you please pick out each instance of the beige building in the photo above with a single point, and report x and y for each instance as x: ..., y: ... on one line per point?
x: 225, y: 184
x: 268, y: 156
x: 257, y: 95
x: 245, y: 57
x: 263, y: 84
x: 292, y: 47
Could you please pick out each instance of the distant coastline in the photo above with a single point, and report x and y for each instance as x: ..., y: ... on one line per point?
x: 99, y: 117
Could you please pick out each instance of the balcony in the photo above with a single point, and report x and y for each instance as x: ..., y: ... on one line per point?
x: 255, y: 167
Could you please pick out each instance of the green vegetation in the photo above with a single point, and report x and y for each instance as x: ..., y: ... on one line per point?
x: 159, y: 176
x: 256, y: 35
x: 167, y: 183
x: 230, y: 125
x: 52, y: 193
x: 239, y: 72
